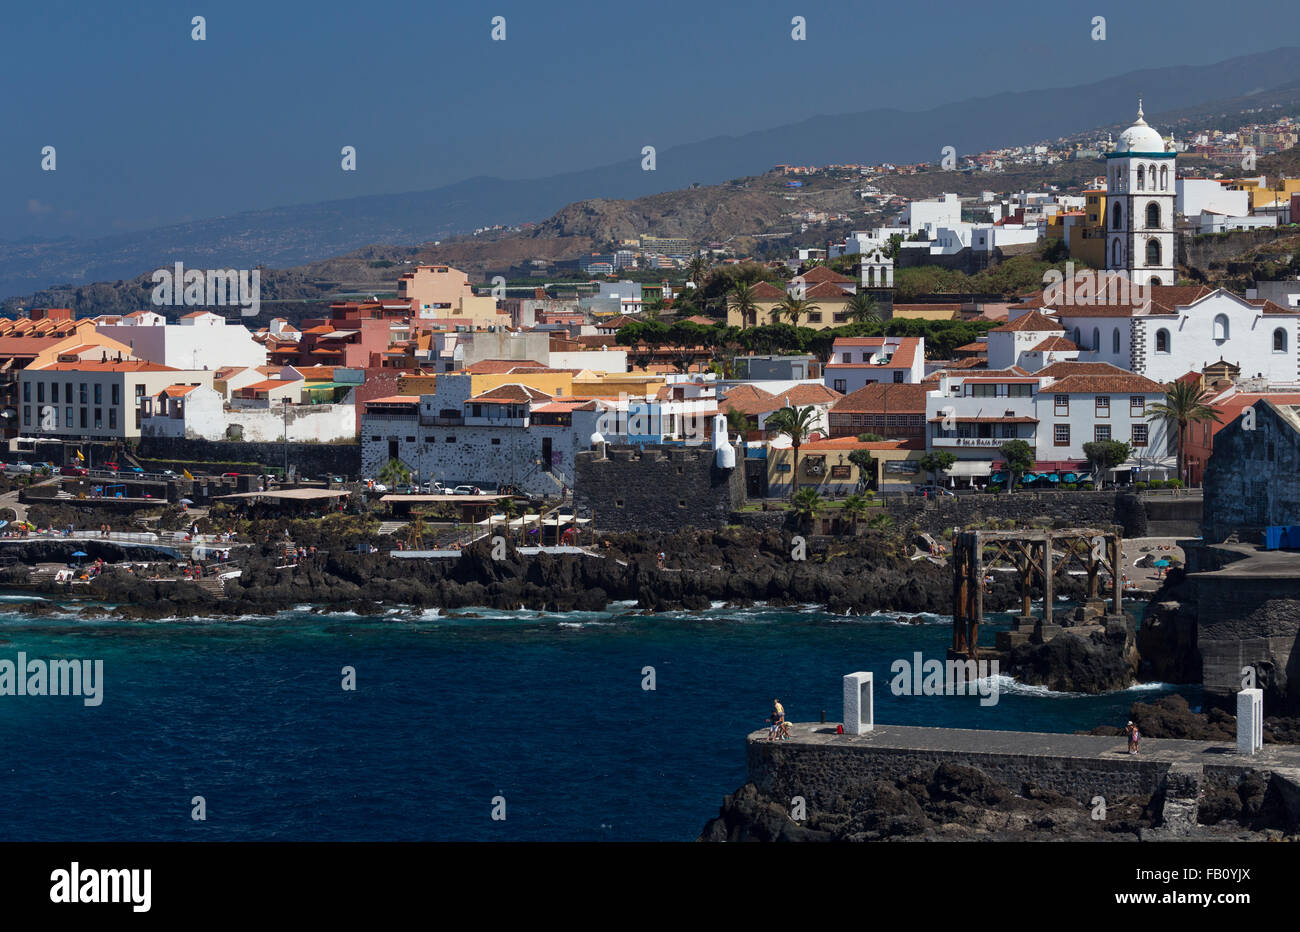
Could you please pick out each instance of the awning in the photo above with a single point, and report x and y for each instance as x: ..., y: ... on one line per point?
x: 970, y: 468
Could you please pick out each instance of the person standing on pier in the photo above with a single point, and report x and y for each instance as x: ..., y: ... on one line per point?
x: 1133, y: 737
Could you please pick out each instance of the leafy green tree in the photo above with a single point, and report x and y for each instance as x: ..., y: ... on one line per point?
x: 937, y: 461
x: 798, y: 425
x: 866, y: 464
x: 1019, y: 459
x: 1105, y: 455
x: 870, y: 438
x: 1185, y: 403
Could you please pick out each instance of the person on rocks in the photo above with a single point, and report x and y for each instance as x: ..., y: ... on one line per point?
x: 661, y: 559
x: 1133, y: 737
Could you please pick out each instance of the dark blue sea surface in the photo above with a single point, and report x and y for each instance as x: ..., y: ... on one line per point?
x: 450, y: 711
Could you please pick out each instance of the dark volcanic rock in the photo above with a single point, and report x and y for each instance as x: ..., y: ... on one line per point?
x: 1074, y: 663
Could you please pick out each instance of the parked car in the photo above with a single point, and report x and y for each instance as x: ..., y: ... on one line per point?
x: 46, y: 467
x: 934, y: 491
x: 378, y: 487
x: 112, y: 466
x: 73, y: 471
x: 135, y: 469
x: 404, y: 489
x: 170, y: 474
x: 466, y: 490
x: 230, y: 475
x: 434, y: 487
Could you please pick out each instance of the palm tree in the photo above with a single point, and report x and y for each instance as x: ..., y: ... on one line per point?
x: 798, y: 425
x: 856, y: 507
x: 697, y: 270
x: 742, y: 300
x: 863, y: 308
x: 1184, y: 405
x: 395, y: 473
x: 795, y: 308
x: 807, y: 504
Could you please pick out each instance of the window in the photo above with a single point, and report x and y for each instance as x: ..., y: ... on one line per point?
x: 1153, y: 252
x: 410, y: 440
x: 1114, y: 253
x: 815, y: 317
x: 112, y: 418
x: 54, y: 392
x: 496, y: 441
x: 1117, y: 214
x: 841, y: 386
x: 1103, y: 406
x: 1220, y: 327
x: 1061, y: 405
x: 1096, y: 339
x: 27, y: 415
x: 1137, y: 406
x: 27, y: 391
x: 67, y: 418
x: 1114, y: 341
x: 450, y: 440
x: 898, y: 376
x: 848, y: 357
x: 1139, y: 435
x: 40, y: 393
x: 99, y: 394
x: 1279, y: 340
x: 84, y: 417
x: 1142, y: 177
x: 117, y: 393
x: 1164, y: 177
x: 99, y: 419
x: 1101, y: 432
x: 1061, y: 435
x: 1153, y: 216
x: 1162, y: 341
x: 376, y: 439
x: 67, y: 392
x: 81, y: 391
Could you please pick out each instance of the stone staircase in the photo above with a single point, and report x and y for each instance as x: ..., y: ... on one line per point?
x: 1182, y: 804
x: 391, y: 527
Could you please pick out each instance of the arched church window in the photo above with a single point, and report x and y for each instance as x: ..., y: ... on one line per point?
x: 1153, y: 252
x: 1279, y: 340
x: 1220, y: 327
x: 1162, y: 340
x: 1096, y: 339
x: 1114, y: 341
x: 1142, y: 177
x: 1117, y: 213
x: 1153, y: 216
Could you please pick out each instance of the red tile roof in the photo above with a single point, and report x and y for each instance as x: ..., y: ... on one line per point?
x: 821, y: 274
x: 1034, y: 321
x: 878, y: 397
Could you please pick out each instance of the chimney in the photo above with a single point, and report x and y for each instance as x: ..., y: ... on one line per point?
x: 103, y: 356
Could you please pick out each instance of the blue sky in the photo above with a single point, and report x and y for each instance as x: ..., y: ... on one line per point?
x: 151, y: 127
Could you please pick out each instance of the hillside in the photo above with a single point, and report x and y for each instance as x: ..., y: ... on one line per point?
x: 289, y: 236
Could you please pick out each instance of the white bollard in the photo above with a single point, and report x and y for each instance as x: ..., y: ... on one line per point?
x: 859, y: 707
x: 1250, y: 721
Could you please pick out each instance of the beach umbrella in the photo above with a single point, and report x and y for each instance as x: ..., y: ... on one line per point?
x: 80, y: 554
x: 187, y: 501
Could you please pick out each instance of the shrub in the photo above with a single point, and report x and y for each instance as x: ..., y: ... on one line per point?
x: 1142, y: 485
x: 1156, y: 484
x: 1174, y: 483
x: 1086, y: 487
x: 1070, y: 486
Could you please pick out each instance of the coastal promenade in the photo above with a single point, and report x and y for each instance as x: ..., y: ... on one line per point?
x: 824, y: 767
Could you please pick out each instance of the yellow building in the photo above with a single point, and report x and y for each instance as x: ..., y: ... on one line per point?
x: 410, y: 384
x: 824, y: 465
x: 1088, y: 238
x: 439, y: 292
x: 1264, y: 194
x: 927, y: 311
x: 589, y: 384
x: 558, y: 383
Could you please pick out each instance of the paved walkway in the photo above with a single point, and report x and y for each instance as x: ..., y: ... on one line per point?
x: 1035, y: 744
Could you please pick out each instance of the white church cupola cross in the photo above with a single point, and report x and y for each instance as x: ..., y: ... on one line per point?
x: 1140, y: 205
